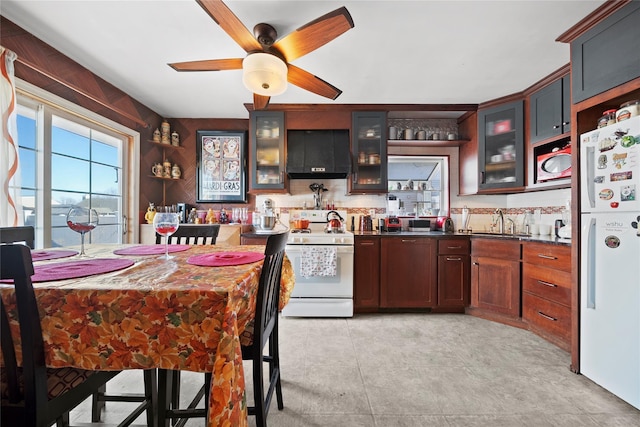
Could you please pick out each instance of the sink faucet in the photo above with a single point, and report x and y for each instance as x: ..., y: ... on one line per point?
x: 512, y: 226
x: 500, y: 221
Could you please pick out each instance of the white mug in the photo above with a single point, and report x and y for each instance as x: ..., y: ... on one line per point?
x: 545, y: 229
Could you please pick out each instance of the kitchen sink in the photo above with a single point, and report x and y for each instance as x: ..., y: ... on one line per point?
x: 496, y: 234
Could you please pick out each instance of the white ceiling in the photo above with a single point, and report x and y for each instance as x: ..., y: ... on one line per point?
x: 399, y: 52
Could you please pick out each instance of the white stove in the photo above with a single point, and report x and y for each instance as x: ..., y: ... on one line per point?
x: 323, y: 264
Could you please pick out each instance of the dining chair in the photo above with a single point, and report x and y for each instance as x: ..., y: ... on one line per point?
x: 19, y: 234
x: 263, y: 330
x: 33, y: 395
x: 191, y: 234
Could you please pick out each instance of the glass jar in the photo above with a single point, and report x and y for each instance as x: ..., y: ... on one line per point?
x: 628, y: 109
x: 608, y: 118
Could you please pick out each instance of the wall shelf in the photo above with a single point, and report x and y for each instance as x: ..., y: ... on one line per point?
x: 426, y: 142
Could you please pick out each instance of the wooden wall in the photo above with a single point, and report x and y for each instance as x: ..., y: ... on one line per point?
x: 45, y: 67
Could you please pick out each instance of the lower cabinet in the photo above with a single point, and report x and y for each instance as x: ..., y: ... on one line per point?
x: 495, y: 276
x: 408, y: 272
x: 253, y: 239
x: 411, y: 272
x: 546, y: 288
x: 453, y: 272
x: 366, y: 274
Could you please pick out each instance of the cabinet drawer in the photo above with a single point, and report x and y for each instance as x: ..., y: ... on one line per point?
x: 453, y: 246
x: 549, y: 316
x: 552, y: 256
x: 496, y: 248
x: 547, y: 283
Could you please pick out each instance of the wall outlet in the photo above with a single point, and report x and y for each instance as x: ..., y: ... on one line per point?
x: 372, y: 212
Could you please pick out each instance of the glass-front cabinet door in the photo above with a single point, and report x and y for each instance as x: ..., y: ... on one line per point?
x: 501, y: 146
x: 267, y: 151
x: 369, y: 152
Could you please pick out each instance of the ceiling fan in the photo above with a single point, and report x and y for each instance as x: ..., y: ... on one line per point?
x: 267, y: 68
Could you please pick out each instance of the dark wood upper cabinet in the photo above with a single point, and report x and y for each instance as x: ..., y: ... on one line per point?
x: 606, y: 55
x: 368, y: 152
x: 501, y: 147
x: 267, y: 152
x: 550, y: 111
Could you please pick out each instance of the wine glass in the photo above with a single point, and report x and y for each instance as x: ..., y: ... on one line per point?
x: 82, y: 220
x: 166, y: 222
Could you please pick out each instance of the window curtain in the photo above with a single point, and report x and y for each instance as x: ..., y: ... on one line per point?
x: 10, y: 205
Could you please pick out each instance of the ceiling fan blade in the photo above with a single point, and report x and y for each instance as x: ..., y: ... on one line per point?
x: 315, y: 34
x: 230, y: 23
x: 306, y: 80
x: 260, y: 102
x: 208, y: 65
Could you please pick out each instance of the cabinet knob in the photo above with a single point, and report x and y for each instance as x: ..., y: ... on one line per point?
x: 547, y: 257
x: 565, y: 123
x: 454, y: 259
x: 556, y: 127
x: 475, y: 263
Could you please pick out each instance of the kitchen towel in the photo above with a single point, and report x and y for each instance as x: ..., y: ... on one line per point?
x: 318, y: 261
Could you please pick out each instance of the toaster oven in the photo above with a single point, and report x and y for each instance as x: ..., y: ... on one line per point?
x: 554, y: 165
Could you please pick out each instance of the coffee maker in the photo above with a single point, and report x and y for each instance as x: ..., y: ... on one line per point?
x: 183, y: 211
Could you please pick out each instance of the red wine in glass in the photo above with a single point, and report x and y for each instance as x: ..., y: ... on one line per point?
x: 82, y: 220
x: 165, y: 224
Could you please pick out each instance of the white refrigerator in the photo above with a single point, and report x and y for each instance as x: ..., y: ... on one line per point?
x: 610, y: 258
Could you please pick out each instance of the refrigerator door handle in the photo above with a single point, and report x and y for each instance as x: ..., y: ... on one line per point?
x: 591, y: 265
x: 589, y: 176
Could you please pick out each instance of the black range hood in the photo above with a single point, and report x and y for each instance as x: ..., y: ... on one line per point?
x: 318, y: 154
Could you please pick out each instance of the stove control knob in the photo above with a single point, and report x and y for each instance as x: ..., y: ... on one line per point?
x: 296, y: 240
x: 338, y: 240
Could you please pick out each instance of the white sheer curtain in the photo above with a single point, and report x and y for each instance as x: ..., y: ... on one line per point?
x: 10, y: 205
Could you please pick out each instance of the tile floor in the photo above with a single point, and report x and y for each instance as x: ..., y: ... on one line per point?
x: 406, y: 370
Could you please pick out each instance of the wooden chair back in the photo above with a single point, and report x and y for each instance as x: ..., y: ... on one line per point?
x: 24, y: 233
x: 190, y: 234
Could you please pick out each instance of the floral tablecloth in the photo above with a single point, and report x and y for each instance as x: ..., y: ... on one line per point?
x: 156, y: 314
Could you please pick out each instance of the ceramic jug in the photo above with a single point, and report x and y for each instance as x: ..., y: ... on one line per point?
x: 175, y: 172
x: 157, y: 170
x: 151, y: 212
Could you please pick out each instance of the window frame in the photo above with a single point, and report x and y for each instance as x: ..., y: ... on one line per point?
x: 46, y: 105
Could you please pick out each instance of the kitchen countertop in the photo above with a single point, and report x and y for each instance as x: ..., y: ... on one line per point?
x: 551, y: 239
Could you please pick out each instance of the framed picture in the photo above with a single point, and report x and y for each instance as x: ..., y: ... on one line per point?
x: 221, y: 166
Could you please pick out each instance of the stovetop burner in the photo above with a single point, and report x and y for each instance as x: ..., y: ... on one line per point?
x: 301, y: 230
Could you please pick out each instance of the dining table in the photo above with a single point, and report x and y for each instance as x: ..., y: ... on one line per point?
x: 185, y: 313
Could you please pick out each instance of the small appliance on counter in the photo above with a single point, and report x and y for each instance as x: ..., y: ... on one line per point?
x: 183, y: 211
x: 392, y: 224
x: 419, y: 225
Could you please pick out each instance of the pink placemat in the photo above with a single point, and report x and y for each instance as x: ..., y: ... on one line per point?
x: 150, y: 249
x: 219, y: 259
x: 51, y: 254
x: 79, y: 268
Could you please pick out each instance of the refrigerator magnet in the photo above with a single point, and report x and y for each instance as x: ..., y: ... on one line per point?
x: 612, y: 242
x: 606, y: 194
x: 602, y: 161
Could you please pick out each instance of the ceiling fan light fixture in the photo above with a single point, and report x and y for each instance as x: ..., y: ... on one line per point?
x: 264, y: 74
